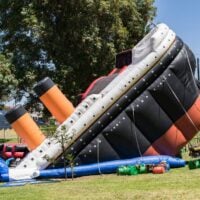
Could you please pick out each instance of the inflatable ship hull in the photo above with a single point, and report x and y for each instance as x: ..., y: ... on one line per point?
x: 148, y: 107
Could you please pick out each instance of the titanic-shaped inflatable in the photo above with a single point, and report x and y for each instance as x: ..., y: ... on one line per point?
x: 148, y: 105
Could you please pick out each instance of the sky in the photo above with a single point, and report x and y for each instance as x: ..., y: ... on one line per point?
x: 183, y: 17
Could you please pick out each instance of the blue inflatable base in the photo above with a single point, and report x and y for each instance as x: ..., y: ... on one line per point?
x: 3, y: 167
x: 95, y: 169
x: 109, y: 167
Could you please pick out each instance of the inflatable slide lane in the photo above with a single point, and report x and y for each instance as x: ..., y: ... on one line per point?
x: 148, y: 105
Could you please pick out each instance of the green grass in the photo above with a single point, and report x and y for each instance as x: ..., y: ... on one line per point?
x: 8, y: 135
x: 177, y: 184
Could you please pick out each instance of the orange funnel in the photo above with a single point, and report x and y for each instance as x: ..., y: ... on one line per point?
x: 55, y: 101
x: 25, y: 127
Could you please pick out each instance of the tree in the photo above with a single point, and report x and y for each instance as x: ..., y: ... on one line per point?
x: 7, y: 80
x: 73, y: 42
x: 60, y: 137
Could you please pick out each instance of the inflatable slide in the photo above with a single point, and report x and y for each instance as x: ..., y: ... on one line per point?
x: 148, y: 105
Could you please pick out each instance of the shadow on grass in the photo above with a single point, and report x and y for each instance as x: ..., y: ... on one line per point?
x: 2, y: 140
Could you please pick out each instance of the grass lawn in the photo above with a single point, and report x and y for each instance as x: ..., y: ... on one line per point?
x: 177, y: 184
x: 8, y: 135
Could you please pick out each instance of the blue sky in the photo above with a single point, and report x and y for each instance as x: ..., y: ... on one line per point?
x: 183, y: 16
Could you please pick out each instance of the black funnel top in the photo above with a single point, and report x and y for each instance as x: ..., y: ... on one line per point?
x: 43, y: 86
x: 15, y: 113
